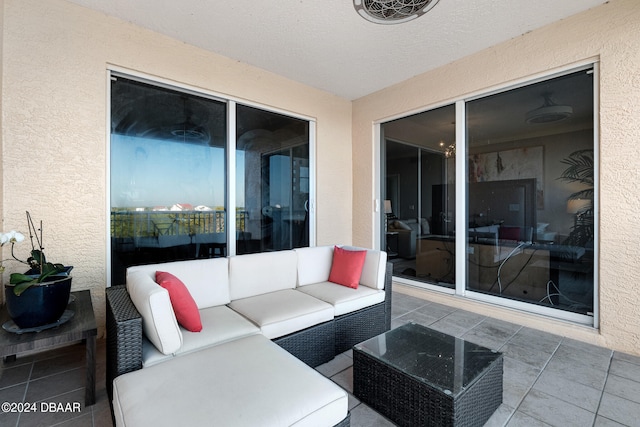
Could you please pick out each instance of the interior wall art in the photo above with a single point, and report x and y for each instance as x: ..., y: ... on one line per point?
x: 519, y: 163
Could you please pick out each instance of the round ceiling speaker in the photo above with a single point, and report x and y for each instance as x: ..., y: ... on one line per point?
x: 392, y: 11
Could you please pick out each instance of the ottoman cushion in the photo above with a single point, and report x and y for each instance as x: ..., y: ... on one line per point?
x: 247, y: 382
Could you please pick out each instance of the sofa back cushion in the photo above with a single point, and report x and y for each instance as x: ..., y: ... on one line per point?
x: 206, y: 279
x: 400, y: 225
x: 257, y: 274
x: 314, y: 264
x: 374, y: 267
x: 158, y: 319
x: 414, y: 225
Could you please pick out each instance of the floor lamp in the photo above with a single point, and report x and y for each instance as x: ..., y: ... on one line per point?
x: 387, y: 211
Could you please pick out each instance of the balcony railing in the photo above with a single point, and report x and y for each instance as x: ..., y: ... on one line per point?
x: 163, y: 229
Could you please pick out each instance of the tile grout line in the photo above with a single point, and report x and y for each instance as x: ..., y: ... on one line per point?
x: 57, y: 373
x: 534, y: 381
x: 518, y: 405
x: 483, y: 318
x: 595, y: 418
x: 26, y: 390
x: 545, y: 366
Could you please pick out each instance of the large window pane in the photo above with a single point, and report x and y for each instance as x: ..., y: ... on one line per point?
x: 272, y: 181
x: 530, y: 193
x: 168, y: 176
x: 419, y: 196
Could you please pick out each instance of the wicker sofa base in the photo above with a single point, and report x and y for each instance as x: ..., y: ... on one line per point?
x: 124, y: 335
x: 353, y: 328
x: 359, y: 326
x: 314, y: 345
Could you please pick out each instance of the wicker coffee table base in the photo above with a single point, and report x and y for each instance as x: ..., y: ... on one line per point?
x: 409, y: 402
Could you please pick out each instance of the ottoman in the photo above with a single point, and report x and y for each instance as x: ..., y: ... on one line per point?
x: 246, y: 382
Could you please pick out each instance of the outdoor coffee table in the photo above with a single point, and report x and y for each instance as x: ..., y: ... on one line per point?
x: 416, y: 376
x: 82, y: 326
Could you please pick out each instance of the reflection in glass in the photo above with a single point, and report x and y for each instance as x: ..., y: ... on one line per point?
x: 272, y: 181
x: 167, y: 175
x: 530, y: 193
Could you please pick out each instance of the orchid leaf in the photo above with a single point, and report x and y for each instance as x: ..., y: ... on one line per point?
x: 49, y: 269
x: 22, y: 282
x: 17, y: 278
x: 19, y: 289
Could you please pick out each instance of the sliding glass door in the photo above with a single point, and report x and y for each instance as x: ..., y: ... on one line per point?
x: 171, y: 181
x: 525, y: 208
x: 530, y: 193
x: 168, y: 151
x: 419, y: 196
x: 272, y: 197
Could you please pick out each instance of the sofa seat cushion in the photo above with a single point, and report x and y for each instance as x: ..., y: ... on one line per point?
x: 219, y: 325
x: 246, y: 382
x: 343, y: 299
x: 283, y: 312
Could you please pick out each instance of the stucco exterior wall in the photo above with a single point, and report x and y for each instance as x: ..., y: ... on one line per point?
x: 55, y: 130
x: 2, y: 254
x: 610, y: 34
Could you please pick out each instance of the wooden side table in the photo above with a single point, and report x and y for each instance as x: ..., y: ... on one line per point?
x: 82, y: 326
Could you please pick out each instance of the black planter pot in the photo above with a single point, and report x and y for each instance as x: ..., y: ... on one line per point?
x: 41, y: 304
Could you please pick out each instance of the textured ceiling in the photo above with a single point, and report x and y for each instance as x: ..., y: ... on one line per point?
x: 327, y: 45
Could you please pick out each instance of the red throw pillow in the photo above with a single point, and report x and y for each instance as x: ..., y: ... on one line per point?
x: 346, y: 268
x: 182, y: 302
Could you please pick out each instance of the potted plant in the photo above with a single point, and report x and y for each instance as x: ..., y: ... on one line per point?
x: 580, y: 170
x: 39, y: 296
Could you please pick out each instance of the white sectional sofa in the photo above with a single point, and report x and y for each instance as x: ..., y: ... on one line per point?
x: 257, y: 304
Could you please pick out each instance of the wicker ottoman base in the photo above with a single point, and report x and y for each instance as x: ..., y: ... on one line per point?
x: 409, y: 400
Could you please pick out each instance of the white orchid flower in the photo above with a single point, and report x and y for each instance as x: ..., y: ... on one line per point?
x: 14, y: 236
x: 4, y: 238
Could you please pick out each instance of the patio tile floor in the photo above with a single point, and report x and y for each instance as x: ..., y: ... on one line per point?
x: 548, y: 380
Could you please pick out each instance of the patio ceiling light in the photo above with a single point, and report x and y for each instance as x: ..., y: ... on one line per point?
x: 549, y: 112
